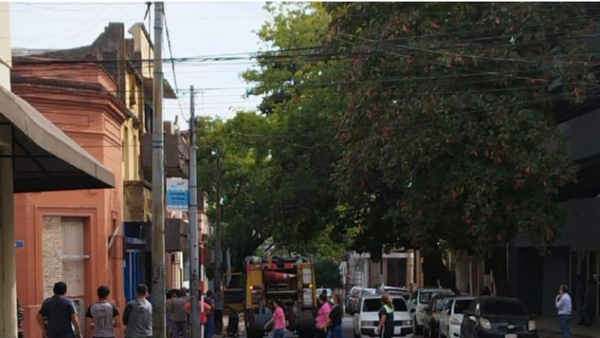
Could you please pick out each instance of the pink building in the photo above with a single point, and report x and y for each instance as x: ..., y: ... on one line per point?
x: 73, y: 236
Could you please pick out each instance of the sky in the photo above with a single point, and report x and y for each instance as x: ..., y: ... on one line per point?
x: 195, y: 29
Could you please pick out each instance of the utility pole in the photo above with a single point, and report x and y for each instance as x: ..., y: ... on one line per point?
x: 218, y: 251
x: 193, y: 210
x: 158, y: 186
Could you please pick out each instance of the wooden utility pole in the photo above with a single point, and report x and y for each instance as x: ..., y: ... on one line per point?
x: 158, y: 186
x: 193, y: 228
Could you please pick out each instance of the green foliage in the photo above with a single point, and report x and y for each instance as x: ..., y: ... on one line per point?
x: 327, y: 274
x: 235, y: 150
x: 448, y: 134
x: 424, y: 125
x: 302, y: 147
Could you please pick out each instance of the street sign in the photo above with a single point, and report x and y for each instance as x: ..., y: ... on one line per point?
x: 177, y: 194
x: 19, y: 244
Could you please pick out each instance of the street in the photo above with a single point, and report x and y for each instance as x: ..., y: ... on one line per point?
x: 347, y: 325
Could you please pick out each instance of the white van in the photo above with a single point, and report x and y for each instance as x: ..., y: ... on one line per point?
x: 366, y: 320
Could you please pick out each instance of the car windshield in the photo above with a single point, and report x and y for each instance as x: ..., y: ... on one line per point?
x: 461, y: 306
x: 426, y: 296
x: 374, y: 304
x: 507, y: 308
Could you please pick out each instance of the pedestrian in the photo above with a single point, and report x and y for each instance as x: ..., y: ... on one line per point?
x: 278, y: 320
x: 203, y: 307
x: 20, y: 318
x: 589, y: 304
x: 184, y: 294
x: 180, y: 317
x: 322, y: 316
x: 102, y: 316
x: 138, y: 315
x: 169, y: 296
x: 386, y: 317
x: 218, y: 313
x: 209, y: 327
x: 564, y: 307
x: 58, y: 316
x: 335, y: 319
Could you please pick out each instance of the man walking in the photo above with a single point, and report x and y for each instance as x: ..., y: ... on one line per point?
x: 102, y: 316
x: 138, y: 315
x: 564, y: 307
x: 180, y: 317
x: 58, y: 317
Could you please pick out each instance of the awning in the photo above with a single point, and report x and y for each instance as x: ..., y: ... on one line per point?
x: 45, y: 158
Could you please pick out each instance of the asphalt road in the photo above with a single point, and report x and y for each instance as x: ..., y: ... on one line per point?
x: 348, y: 331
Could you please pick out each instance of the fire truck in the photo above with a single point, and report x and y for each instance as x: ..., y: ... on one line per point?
x: 291, y: 280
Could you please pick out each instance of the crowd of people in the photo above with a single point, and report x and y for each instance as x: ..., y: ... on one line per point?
x: 58, y: 316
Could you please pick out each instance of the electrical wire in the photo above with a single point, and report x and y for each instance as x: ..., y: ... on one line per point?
x: 173, y: 64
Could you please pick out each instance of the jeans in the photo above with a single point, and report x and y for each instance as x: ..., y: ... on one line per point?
x: 180, y: 327
x: 335, y: 332
x: 209, y: 328
x: 279, y: 333
x: 564, y: 322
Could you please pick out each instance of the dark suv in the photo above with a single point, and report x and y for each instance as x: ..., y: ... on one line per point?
x: 498, y: 317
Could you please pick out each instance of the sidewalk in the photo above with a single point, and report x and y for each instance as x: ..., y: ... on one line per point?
x: 548, y: 327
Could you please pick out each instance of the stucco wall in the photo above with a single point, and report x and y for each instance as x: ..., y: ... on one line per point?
x: 582, y: 136
x: 95, y: 123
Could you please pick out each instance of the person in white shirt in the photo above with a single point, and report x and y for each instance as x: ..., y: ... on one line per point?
x: 564, y: 307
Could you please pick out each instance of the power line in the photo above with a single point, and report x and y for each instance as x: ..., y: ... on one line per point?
x: 173, y: 63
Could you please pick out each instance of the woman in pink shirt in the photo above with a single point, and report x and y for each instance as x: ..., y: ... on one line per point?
x: 278, y: 319
x: 323, y: 316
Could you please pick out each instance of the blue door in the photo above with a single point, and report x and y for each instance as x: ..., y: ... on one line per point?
x: 134, y: 272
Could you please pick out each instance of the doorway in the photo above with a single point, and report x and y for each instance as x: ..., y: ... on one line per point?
x: 585, y: 271
x: 64, y: 257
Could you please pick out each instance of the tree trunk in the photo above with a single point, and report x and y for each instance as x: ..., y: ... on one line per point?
x: 435, y: 271
x: 500, y: 270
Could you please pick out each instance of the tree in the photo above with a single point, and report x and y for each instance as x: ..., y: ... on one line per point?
x: 235, y: 151
x: 327, y: 274
x: 290, y: 78
x: 448, y: 134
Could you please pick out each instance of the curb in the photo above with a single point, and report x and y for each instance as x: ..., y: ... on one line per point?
x: 574, y: 335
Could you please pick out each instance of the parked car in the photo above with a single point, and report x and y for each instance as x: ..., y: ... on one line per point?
x: 417, y: 303
x: 452, y: 316
x: 366, y: 320
x: 393, y: 291
x: 365, y: 292
x: 493, y: 317
x: 431, y: 319
x: 352, y: 299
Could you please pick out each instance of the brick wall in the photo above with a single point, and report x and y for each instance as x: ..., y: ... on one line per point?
x: 53, y: 247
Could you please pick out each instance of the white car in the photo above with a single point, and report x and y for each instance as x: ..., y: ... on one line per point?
x: 418, y: 302
x: 366, y: 320
x: 452, y: 316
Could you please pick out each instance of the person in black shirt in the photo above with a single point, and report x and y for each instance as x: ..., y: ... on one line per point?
x: 335, y: 319
x: 386, y: 318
